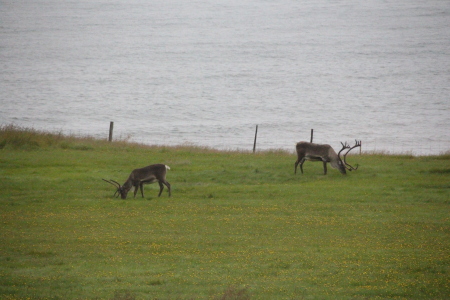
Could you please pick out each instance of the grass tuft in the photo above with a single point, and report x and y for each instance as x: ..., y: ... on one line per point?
x: 123, y: 295
x: 233, y: 293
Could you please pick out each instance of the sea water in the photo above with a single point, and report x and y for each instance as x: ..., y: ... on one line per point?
x: 207, y: 72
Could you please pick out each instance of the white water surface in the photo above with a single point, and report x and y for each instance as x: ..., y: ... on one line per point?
x: 207, y: 72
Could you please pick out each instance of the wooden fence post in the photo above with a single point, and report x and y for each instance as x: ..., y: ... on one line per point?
x: 111, y: 127
x: 312, y: 133
x: 254, y: 143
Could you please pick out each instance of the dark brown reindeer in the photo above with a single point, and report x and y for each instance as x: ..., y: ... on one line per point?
x: 324, y: 153
x: 139, y: 177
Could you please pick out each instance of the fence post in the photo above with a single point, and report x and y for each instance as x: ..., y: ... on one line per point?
x: 312, y: 133
x: 254, y: 143
x: 111, y: 127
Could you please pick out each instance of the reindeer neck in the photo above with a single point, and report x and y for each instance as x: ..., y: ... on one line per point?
x: 128, y: 184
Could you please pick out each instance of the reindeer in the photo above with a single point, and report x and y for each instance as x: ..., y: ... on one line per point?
x: 139, y: 177
x: 324, y: 153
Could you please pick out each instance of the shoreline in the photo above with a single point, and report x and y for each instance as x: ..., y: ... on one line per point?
x: 15, y: 136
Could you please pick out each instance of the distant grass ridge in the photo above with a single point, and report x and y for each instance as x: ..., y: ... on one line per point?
x: 16, y: 137
x: 238, y: 225
x: 23, y: 138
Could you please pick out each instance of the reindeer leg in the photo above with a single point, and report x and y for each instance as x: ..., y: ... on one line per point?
x: 296, y: 164
x: 161, y: 187
x: 301, y: 164
x: 324, y: 168
x: 141, y: 186
x: 136, y: 187
x: 168, y: 185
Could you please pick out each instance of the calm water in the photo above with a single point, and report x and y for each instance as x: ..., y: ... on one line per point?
x: 207, y: 72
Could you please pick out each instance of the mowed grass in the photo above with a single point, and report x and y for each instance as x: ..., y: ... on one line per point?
x: 238, y: 225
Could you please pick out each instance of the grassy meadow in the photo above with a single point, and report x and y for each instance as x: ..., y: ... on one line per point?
x: 238, y: 225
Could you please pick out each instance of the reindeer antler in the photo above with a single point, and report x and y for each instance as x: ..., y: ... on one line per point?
x: 348, y: 166
x: 344, y: 146
x: 116, y: 184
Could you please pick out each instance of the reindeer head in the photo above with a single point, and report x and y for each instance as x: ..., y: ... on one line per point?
x: 122, y: 191
x: 341, y: 163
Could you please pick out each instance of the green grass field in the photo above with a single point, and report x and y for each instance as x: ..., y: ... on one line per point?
x: 238, y: 225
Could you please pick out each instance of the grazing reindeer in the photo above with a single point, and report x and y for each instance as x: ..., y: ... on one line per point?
x: 139, y: 177
x: 324, y: 153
